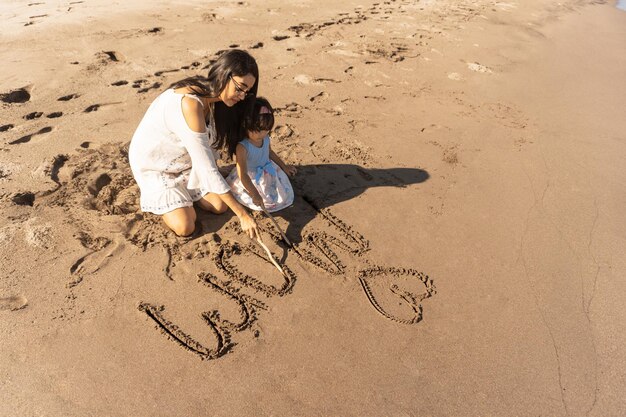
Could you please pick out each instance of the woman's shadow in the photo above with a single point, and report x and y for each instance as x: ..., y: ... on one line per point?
x: 324, y: 185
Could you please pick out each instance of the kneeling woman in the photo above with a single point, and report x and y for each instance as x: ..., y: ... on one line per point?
x: 172, y: 153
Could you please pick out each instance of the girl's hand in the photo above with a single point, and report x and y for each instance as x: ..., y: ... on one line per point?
x: 248, y: 225
x: 290, y: 170
x: 258, y: 200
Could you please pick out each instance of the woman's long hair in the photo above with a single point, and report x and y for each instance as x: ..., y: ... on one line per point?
x: 228, y: 120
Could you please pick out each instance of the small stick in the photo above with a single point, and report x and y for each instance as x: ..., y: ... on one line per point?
x: 269, y: 255
x: 277, y: 226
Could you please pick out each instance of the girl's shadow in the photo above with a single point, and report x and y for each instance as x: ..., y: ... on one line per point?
x: 325, y: 185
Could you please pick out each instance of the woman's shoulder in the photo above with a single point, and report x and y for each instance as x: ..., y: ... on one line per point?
x: 193, y: 112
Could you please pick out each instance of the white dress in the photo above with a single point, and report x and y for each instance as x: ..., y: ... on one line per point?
x: 270, y: 181
x: 173, y: 165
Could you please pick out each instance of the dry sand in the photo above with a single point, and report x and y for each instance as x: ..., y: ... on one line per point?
x: 459, y: 226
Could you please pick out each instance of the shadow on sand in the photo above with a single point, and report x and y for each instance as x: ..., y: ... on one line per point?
x: 323, y: 186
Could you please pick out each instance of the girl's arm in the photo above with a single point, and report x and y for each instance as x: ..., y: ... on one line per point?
x: 242, y: 171
x: 289, y: 169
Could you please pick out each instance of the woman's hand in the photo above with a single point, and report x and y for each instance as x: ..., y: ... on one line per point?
x: 248, y: 225
x: 290, y: 170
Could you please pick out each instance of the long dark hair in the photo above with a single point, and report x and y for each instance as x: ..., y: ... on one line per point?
x: 228, y: 120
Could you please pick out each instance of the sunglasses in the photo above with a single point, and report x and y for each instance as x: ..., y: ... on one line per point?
x: 239, y: 89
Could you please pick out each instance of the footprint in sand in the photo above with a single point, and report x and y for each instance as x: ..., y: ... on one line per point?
x: 450, y: 155
x: 23, y: 199
x: 21, y: 95
x: 68, y: 97
x: 475, y: 66
x: 319, y: 97
x: 302, y: 79
x: 7, y: 169
x: 27, y: 138
x: 39, y: 235
x: 13, y: 303
x: 211, y: 17
x: 33, y: 115
x: 377, y: 98
x: 394, y: 52
x: 290, y: 110
x: 95, y: 259
x: 159, y: 73
x: 139, y: 83
x: 49, y: 169
x: 194, y: 64
x: 112, y: 56
x: 92, y: 108
x: 354, y: 152
x: 325, y: 81
x: 32, y: 22
x: 154, y: 86
x: 282, y: 132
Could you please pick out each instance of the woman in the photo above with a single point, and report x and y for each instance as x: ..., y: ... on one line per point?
x: 172, y: 152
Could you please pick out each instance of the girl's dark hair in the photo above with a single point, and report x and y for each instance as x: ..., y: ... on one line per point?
x: 261, y: 117
x: 228, y: 120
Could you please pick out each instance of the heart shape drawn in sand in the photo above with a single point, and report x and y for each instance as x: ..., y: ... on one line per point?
x: 374, y: 280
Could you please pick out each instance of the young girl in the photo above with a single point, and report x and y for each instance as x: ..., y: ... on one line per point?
x: 259, y: 180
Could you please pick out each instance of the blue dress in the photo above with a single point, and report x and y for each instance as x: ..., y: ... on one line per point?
x: 271, y: 182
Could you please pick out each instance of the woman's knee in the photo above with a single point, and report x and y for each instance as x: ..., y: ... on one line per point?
x: 184, y: 229
x: 221, y: 208
x: 181, y: 221
x: 213, y: 203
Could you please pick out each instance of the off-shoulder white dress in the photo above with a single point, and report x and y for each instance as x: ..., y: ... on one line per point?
x: 173, y: 165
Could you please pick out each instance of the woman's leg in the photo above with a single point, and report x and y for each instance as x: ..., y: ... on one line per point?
x: 213, y: 202
x: 182, y: 220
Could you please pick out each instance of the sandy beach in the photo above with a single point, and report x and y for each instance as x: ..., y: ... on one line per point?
x: 459, y: 237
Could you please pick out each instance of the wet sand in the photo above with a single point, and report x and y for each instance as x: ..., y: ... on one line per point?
x: 458, y: 230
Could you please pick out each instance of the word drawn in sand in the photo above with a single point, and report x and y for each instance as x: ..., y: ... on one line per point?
x: 317, y: 248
